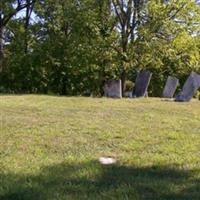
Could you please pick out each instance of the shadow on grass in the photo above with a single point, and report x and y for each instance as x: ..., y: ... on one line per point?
x: 93, y: 181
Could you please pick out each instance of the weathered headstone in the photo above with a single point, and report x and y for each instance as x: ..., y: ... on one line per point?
x: 170, y: 87
x: 190, y: 87
x: 128, y: 94
x: 113, y: 89
x: 141, y: 84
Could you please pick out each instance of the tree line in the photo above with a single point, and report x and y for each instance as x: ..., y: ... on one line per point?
x: 72, y: 47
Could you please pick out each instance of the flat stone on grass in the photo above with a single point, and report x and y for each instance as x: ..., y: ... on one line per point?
x: 107, y: 160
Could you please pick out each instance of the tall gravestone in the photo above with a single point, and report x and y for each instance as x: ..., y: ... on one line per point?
x: 190, y: 87
x: 113, y: 89
x: 170, y: 87
x: 141, y: 84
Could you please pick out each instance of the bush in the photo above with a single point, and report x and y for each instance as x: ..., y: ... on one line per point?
x: 129, y: 86
x: 197, y: 95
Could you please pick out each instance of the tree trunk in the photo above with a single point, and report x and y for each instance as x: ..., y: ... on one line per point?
x: 124, y: 49
x: 29, y: 10
x: 26, y: 31
x: 1, y: 48
x: 123, y: 81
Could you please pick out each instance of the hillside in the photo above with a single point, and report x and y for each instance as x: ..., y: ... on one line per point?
x: 50, y: 146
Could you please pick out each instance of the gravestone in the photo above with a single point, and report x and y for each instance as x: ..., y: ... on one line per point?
x: 113, y: 89
x: 141, y: 84
x: 170, y: 87
x: 190, y: 87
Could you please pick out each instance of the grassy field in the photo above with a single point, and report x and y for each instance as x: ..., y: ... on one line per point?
x: 49, y: 148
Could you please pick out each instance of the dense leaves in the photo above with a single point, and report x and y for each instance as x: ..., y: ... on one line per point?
x: 72, y: 47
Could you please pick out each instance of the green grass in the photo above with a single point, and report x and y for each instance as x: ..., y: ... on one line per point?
x: 49, y: 148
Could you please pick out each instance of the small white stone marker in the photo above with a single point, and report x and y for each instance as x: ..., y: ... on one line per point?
x: 107, y: 160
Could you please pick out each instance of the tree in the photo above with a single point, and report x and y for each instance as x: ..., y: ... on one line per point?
x: 146, y: 27
x: 9, y: 8
x: 129, y: 15
x: 166, y: 42
x: 72, y: 47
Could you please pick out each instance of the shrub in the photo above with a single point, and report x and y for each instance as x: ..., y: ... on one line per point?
x: 129, y: 86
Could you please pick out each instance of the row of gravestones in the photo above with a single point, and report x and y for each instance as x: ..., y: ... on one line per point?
x: 113, y: 87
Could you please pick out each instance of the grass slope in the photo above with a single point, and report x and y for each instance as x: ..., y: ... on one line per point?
x: 49, y: 148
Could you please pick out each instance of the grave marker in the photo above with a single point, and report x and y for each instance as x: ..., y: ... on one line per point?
x: 170, y: 87
x: 190, y: 87
x: 113, y: 89
x: 142, y: 83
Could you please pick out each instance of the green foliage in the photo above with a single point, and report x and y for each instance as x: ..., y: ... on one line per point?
x: 129, y: 85
x: 73, y: 47
x: 197, y: 95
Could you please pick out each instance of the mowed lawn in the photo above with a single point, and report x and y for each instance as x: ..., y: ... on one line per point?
x: 50, y: 146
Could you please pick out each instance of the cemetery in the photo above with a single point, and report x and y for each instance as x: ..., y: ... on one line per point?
x: 88, y: 148
x: 113, y: 88
x: 99, y: 100
x: 138, y: 147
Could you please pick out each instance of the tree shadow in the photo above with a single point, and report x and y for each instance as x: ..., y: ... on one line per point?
x: 93, y: 181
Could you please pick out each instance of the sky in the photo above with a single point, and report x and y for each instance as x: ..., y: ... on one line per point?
x: 22, y: 14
